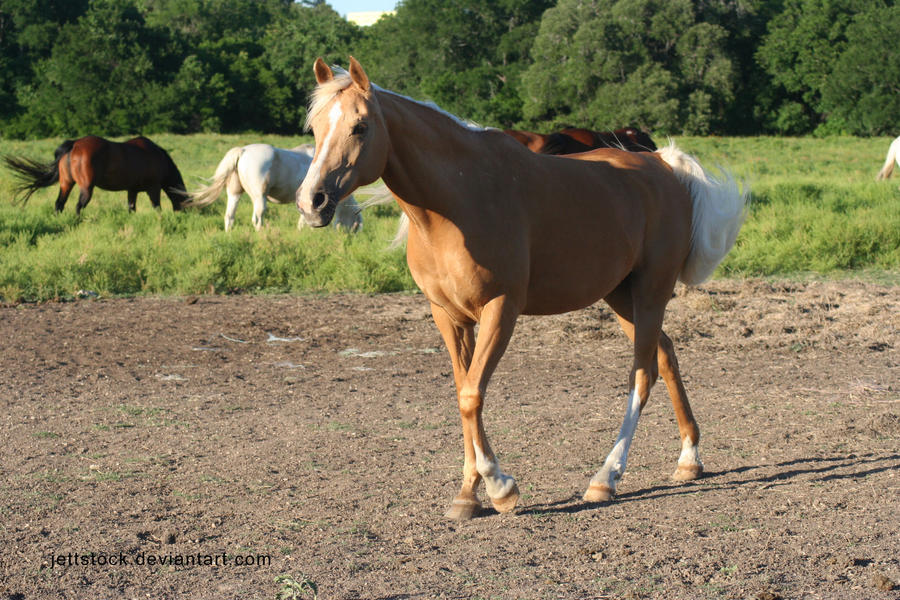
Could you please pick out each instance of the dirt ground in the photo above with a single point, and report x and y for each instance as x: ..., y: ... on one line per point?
x: 246, y: 447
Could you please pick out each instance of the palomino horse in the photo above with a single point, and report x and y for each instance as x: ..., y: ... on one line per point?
x: 893, y: 156
x: 266, y: 172
x: 137, y: 165
x: 497, y: 231
x: 573, y: 140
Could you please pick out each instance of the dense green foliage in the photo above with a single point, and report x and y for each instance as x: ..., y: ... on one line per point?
x: 816, y: 209
x: 117, y: 67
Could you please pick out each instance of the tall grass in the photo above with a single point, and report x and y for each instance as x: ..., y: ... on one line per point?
x: 816, y: 210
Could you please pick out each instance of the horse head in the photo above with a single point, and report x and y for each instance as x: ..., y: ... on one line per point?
x: 351, y: 141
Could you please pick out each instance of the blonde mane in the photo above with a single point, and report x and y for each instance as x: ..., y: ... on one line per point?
x: 325, y: 92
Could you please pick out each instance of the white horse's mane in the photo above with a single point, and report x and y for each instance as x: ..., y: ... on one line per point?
x: 324, y: 92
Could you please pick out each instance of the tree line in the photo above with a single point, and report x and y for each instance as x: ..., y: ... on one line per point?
x: 721, y: 67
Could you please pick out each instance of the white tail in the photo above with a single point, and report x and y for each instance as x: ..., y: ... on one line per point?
x: 892, y: 158
x: 208, y: 194
x: 720, y: 207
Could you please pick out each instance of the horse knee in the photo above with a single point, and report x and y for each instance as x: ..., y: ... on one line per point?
x: 470, y: 402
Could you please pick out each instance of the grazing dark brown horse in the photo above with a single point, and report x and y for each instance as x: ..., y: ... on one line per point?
x: 573, y: 140
x: 137, y: 165
x: 497, y: 231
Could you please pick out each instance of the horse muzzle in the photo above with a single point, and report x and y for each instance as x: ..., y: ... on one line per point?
x: 321, y: 208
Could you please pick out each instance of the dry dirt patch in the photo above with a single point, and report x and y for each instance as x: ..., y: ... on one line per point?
x: 317, y: 438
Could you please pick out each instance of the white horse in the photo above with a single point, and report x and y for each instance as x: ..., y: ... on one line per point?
x: 893, y: 156
x: 264, y: 171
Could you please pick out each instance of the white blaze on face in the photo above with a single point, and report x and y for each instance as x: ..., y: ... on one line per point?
x: 497, y: 483
x: 314, y: 175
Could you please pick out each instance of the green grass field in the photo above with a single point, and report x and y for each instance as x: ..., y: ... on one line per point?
x: 817, y: 211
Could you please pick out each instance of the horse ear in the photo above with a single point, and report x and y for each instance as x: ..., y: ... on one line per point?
x: 358, y: 75
x: 323, y: 72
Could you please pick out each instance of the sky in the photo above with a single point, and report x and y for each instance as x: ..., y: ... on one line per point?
x: 347, y: 6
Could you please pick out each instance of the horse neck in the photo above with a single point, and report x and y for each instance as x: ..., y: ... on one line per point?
x: 427, y: 149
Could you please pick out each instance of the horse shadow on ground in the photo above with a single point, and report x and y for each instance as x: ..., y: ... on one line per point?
x: 712, y: 481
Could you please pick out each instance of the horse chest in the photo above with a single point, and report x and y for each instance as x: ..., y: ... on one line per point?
x: 460, y: 282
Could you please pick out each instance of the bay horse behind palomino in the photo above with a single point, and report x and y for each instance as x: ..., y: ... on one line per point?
x: 574, y: 140
x: 497, y: 231
x: 267, y: 172
x: 137, y: 165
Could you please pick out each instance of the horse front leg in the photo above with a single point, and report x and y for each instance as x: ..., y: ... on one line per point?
x: 498, y: 319
x: 132, y: 200
x: 154, y: 194
x: 460, y: 341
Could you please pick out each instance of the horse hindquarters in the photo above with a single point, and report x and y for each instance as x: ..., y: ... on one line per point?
x: 718, y: 208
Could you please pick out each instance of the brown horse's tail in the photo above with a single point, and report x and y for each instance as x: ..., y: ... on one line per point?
x: 209, y: 193
x: 888, y: 167
x: 720, y: 207
x: 34, y: 175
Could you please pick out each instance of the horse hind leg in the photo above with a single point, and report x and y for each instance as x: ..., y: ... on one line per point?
x: 66, y: 183
x: 231, y: 208
x: 655, y: 344
x: 689, y: 464
x: 83, y: 198
x: 259, y: 210
x: 65, y: 188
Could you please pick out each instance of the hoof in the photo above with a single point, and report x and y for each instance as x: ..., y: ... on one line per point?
x: 598, y: 492
x: 463, y: 510
x: 687, y: 472
x: 508, y: 502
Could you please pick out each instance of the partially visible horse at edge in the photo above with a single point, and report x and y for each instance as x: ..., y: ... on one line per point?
x: 137, y: 165
x: 266, y: 172
x: 893, y: 157
x: 497, y: 231
x: 572, y: 140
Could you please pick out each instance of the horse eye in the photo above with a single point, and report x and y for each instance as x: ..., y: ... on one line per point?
x: 360, y: 128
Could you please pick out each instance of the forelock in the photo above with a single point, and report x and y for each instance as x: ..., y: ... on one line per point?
x: 324, y: 93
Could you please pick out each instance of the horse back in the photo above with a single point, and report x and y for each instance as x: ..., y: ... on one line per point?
x: 273, y: 172
x: 137, y: 164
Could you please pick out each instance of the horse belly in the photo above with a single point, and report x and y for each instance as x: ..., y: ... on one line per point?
x: 579, y: 255
x: 282, y: 193
x: 576, y: 282
x: 119, y: 174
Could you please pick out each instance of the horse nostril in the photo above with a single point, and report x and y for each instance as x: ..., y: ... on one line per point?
x: 318, y: 201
